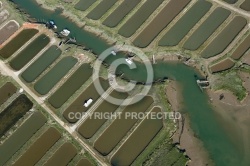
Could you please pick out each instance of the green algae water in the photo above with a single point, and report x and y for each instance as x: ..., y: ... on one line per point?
x: 41, y: 64
x: 29, y: 52
x: 203, y: 119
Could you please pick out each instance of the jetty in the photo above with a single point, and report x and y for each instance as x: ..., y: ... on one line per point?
x: 203, y: 84
x: 154, y: 59
x: 65, y: 32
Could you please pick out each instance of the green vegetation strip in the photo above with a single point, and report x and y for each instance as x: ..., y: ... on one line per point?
x: 9, y: 29
x: 63, y: 155
x: 231, y: 81
x: 21, y: 136
x: 17, y: 42
x: 48, y: 81
x: 245, y: 5
x: 91, y: 125
x: 41, y: 64
x: 29, y: 52
x: 162, y: 19
x: 185, y: 24
x: 182, y: 161
x: 84, y: 4
x: 171, y: 158
x: 38, y: 149
x: 77, y: 106
x: 6, y: 91
x: 129, y: 28
x: 224, y: 38
x: 120, y: 12
x: 101, y: 9
x: 207, y: 28
x: 138, y: 140
x: 77, y: 79
x: 84, y: 162
x: 225, y: 64
x: 241, y: 49
x: 16, y: 110
x: 120, y: 127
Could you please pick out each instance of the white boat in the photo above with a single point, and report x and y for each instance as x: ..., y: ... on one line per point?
x: 52, y: 25
x: 88, y: 102
x: 21, y: 90
x: 129, y: 61
x: 65, y: 32
x: 52, y: 22
x: 113, y: 52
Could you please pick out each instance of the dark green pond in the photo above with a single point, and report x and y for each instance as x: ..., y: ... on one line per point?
x: 52, y: 77
x: 11, y: 47
x: 207, y: 28
x: 76, y: 80
x: 91, y: 125
x: 29, y: 52
x: 41, y: 64
x: 203, y: 118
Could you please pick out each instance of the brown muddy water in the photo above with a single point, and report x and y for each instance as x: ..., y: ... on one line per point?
x: 168, y: 13
x: 91, y: 125
x: 63, y: 155
x: 140, y: 138
x: 120, y: 127
x: 101, y: 9
x: 6, y: 91
x: 84, y: 4
x: 222, y: 40
x: 9, y: 29
x: 120, y: 12
x: 241, y: 49
x: 136, y: 20
x: 225, y: 64
x: 84, y: 162
x: 38, y: 149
